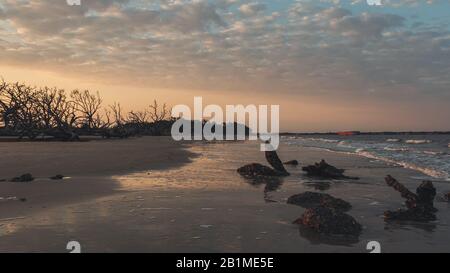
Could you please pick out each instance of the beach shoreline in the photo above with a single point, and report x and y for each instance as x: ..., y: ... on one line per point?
x: 205, y: 206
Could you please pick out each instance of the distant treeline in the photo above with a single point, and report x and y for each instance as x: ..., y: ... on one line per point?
x: 33, y: 113
x: 51, y: 113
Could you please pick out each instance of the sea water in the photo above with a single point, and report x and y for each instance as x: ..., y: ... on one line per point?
x: 429, y: 154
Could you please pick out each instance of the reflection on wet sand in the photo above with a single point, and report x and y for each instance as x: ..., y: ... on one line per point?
x: 320, y: 186
x: 271, y: 184
x: 335, y: 240
x: 408, y: 225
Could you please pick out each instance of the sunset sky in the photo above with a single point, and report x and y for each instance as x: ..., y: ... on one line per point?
x: 330, y: 64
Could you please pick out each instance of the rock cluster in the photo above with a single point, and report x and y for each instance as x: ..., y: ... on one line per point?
x: 325, y: 214
x: 328, y: 221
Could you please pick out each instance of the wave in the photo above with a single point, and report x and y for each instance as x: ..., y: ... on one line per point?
x: 432, y: 161
x: 323, y: 140
x: 394, y: 149
x: 344, y: 144
x: 363, y: 152
x: 418, y: 141
x: 393, y: 140
x: 433, y: 153
x: 426, y: 170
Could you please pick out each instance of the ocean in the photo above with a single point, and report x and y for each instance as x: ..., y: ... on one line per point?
x: 429, y: 154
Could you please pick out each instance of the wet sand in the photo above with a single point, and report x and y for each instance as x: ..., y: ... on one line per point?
x: 205, y: 206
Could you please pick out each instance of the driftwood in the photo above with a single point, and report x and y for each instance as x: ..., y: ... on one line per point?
x: 314, y: 199
x: 330, y: 222
x: 275, y: 162
x: 420, y: 205
x: 326, y: 171
x: 258, y: 170
x: 255, y: 170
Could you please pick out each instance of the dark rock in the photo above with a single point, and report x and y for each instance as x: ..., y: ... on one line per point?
x: 57, y: 177
x: 315, y: 199
x: 23, y: 178
x: 325, y: 171
x: 292, y: 163
x: 420, y: 206
x: 328, y: 221
x: 22, y: 199
x: 257, y: 170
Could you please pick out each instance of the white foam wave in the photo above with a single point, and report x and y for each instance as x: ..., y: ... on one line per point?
x: 393, y: 157
x: 428, y: 171
x: 418, y: 141
x: 324, y: 140
x: 344, y: 144
x: 396, y: 149
x: 393, y: 140
x: 433, y: 153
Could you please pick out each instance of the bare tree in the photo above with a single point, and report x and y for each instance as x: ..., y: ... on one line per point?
x: 25, y: 119
x: 158, y: 114
x: 88, y: 105
x: 138, y: 117
x: 30, y: 111
x: 57, y: 112
x: 102, y: 122
x: 116, y: 110
x: 7, y: 104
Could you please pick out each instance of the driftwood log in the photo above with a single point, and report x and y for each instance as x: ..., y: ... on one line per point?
x: 420, y: 205
x: 326, y: 171
x: 258, y: 170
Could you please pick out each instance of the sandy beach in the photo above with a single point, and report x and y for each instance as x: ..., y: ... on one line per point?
x: 154, y: 195
x: 88, y: 167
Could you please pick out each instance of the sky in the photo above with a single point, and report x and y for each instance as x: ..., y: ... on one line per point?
x: 331, y: 65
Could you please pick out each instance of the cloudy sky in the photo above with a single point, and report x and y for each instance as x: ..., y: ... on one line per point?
x: 330, y: 64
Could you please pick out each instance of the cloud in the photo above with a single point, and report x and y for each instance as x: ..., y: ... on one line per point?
x: 252, y: 9
x: 303, y: 47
